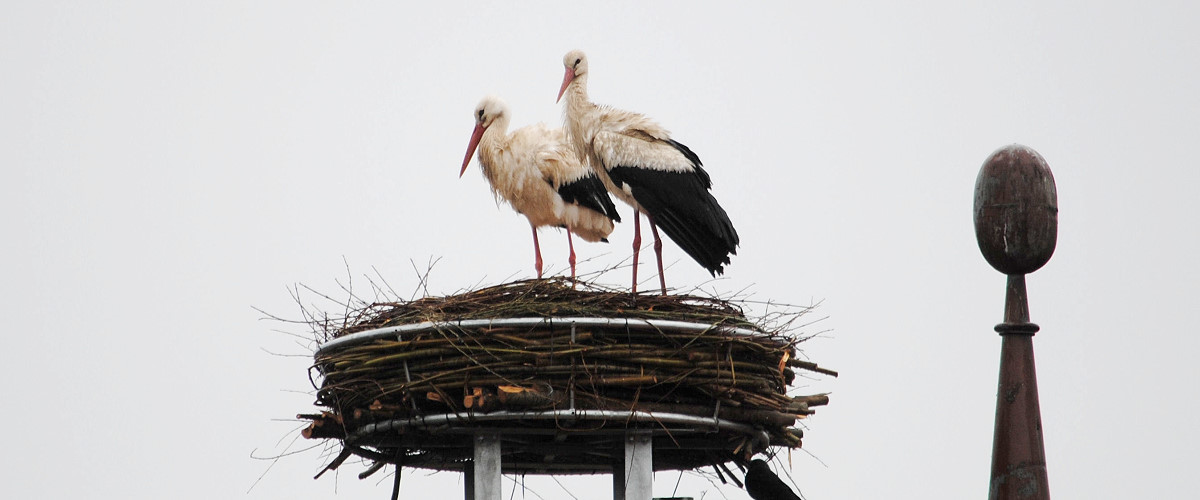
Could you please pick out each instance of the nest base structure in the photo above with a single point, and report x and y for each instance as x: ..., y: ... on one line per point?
x: 542, y: 393
x: 580, y: 442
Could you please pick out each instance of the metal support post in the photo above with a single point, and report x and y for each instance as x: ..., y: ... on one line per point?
x: 469, y: 481
x: 619, y: 480
x: 485, y: 483
x: 638, y: 469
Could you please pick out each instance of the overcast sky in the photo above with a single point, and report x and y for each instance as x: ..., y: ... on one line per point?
x: 167, y: 167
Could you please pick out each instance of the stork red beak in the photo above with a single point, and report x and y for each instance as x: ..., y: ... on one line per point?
x: 570, y: 75
x: 475, y: 136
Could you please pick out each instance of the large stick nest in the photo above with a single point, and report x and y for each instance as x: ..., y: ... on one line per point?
x: 554, y: 297
x: 741, y: 376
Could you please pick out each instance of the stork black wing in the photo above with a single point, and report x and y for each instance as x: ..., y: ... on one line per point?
x: 589, y: 192
x: 679, y: 202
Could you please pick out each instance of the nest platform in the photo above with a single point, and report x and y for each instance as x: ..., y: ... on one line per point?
x: 561, y: 377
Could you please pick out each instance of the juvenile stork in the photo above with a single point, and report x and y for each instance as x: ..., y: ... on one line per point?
x: 534, y: 170
x: 639, y: 163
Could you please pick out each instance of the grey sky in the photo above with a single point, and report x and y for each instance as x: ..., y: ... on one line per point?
x: 167, y: 166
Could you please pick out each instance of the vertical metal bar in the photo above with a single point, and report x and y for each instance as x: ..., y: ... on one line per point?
x: 571, y: 387
x: 619, y: 480
x: 469, y: 480
x: 639, y: 466
x: 408, y: 380
x: 396, y: 482
x: 487, y: 466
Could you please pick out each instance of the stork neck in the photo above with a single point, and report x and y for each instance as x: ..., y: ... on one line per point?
x: 577, y: 105
x: 492, y: 141
x: 577, y: 94
x: 496, y: 132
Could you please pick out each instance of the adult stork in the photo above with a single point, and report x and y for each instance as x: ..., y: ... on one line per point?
x: 642, y: 165
x: 534, y: 170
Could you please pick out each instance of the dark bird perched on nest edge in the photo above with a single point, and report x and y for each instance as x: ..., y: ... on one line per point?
x: 762, y: 484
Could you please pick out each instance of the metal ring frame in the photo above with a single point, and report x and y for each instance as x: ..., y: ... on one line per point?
x: 761, y: 437
x: 653, y: 324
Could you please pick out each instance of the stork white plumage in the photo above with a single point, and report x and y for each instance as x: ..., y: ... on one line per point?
x: 535, y: 171
x: 639, y: 163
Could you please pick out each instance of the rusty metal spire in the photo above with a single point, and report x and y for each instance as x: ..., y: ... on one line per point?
x: 1016, y: 224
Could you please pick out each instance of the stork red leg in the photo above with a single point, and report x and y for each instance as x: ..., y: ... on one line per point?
x: 637, y: 244
x: 571, y: 259
x: 537, y: 250
x: 662, y: 279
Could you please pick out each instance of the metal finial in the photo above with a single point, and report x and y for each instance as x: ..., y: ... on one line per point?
x: 1016, y: 225
x: 1016, y: 210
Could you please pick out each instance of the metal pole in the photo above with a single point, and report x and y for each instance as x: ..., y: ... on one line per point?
x: 1016, y: 225
x: 639, y: 466
x: 1018, y: 451
x: 469, y: 481
x: 486, y: 481
x: 619, y: 480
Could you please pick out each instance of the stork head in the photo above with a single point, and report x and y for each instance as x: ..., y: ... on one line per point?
x: 576, y: 65
x: 488, y: 110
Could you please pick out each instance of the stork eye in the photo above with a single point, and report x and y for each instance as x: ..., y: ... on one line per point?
x: 577, y: 62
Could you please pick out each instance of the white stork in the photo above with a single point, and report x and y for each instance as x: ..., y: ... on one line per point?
x: 639, y: 163
x: 534, y: 170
